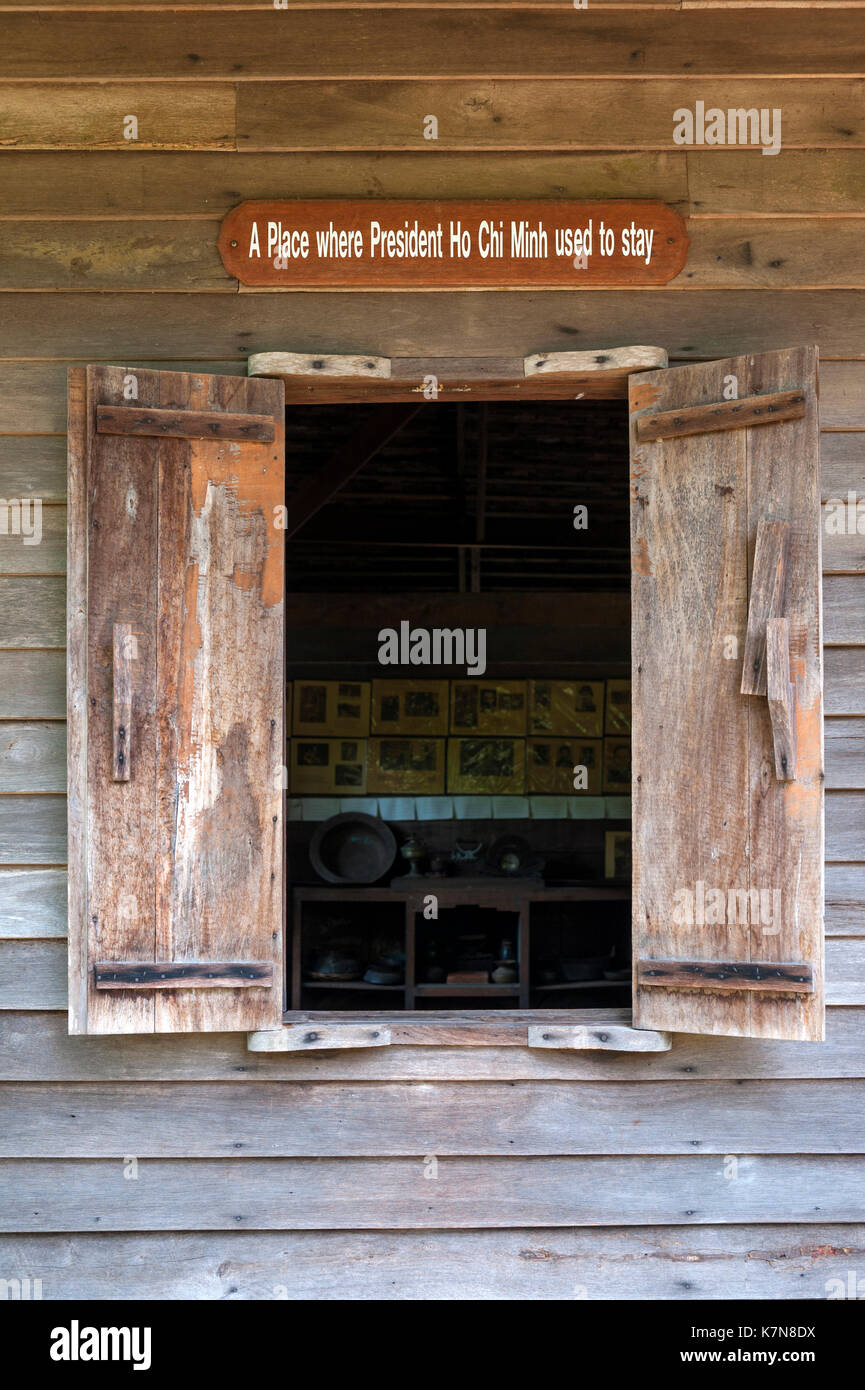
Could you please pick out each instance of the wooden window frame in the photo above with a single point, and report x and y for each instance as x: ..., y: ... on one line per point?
x: 367, y: 379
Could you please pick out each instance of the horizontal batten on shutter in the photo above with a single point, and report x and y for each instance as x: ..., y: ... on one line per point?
x: 727, y: 975
x: 184, y: 424
x: 133, y: 974
x: 722, y: 415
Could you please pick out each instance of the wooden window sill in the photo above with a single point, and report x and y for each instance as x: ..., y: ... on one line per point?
x: 577, y: 1030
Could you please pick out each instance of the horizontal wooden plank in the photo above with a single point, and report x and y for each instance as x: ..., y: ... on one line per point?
x: 317, y: 1037
x: 32, y: 684
x: 35, y: 1046
x: 33, y: 538
x: 224, y: 1120
x: 713, y: 323
x: 33, y: 399
x: 845, y: 817
x: 32, y: 611
x: 32, y: 829
x: 158, y: 255
x: 173, y: 115
x: 133, y: 184
x: 845, y: 757
x: 33, y: 973
x: 842, y: 459
x: 413, y: 43
x: 409, y: 1193
x: 842, y: 403
x: 822, y: 180
x: 33, y: 467
x: 845, y: 899
x: 33, y: 902
x: 843, y: 610
x: 670, y: 1263
x: 573, y: 113
x: 717, y: 976
x: 844, y: 680
x: 382, y: 43
x: 32, y: 757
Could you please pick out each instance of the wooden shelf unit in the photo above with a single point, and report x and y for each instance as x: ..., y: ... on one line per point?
x: 514, y: 896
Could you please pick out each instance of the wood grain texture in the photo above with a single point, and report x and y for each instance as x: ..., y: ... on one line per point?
x: 842, y: 606
x: 129, y: 183
x: 32, y: 757
x: 33, y: 830
x: 379, y: 43
x: 671, y: 1263
x: 132, y: 327
x: 719, y: 976
x: 363, y: 1194
x: 575, y: 113
x: 598, y: 1037
x: 169, y: 974
x: 34, y: 468
x: 311, y: 1037
x: 33, y: 540
x: 113, y: 255
x: 844, y: 741
x: 781, y: 695
x: 696, y: 504
x: 89, y: 115
x: 33, y: 902
x: 224, y: 1120
x: 36, y: 1047
x: 33, y: 684
x: 32, y: 611
x: 196, y: 829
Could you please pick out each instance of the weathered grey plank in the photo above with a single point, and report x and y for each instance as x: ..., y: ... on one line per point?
x: 43, y: 549
x: 33, y: 903
x: 845, y: 899
x: 32, y: 467
x: 286, y: 1119
x: 32, y: 757
x: 842, y: 458
x: 667, y: 1263
x: 845, y: 755
x: 844, y: 680
x: 32, y: 684
x: 411, y: 1193
x: 32, y: 611
x: 843, y: 610
x: 841, y: 400
x: 168, y: 114
x: 845, y: 817
x: 33, y: 974
x: 32, y: 829
x: 35, y: 1046
x: 704, y: 324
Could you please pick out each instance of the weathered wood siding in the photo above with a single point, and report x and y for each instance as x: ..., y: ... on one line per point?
x: 597, y: 1175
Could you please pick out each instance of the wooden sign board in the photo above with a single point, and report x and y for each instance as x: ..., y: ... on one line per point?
x: 356, y: 243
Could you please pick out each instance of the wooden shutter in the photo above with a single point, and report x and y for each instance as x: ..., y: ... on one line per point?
x: 175, y: 694
x: 727, y: 786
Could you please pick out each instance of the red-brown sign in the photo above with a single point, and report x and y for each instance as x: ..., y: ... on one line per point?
x: 355, y: 243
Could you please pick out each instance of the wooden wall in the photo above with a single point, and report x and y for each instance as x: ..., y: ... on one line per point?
x: 266, y: 1176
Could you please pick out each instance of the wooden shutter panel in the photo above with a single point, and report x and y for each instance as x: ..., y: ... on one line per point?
x: 725, y: 536
x: 175, y: 692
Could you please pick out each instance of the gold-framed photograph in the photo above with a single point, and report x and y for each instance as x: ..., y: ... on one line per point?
x: 327, y: 766
x: 409, y: 707
x: 406, y: 767
x: 488, y: 707
x: 550, y: 764
x: 566, y: 707
x: 486, y: 766
x: 331, y: 708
